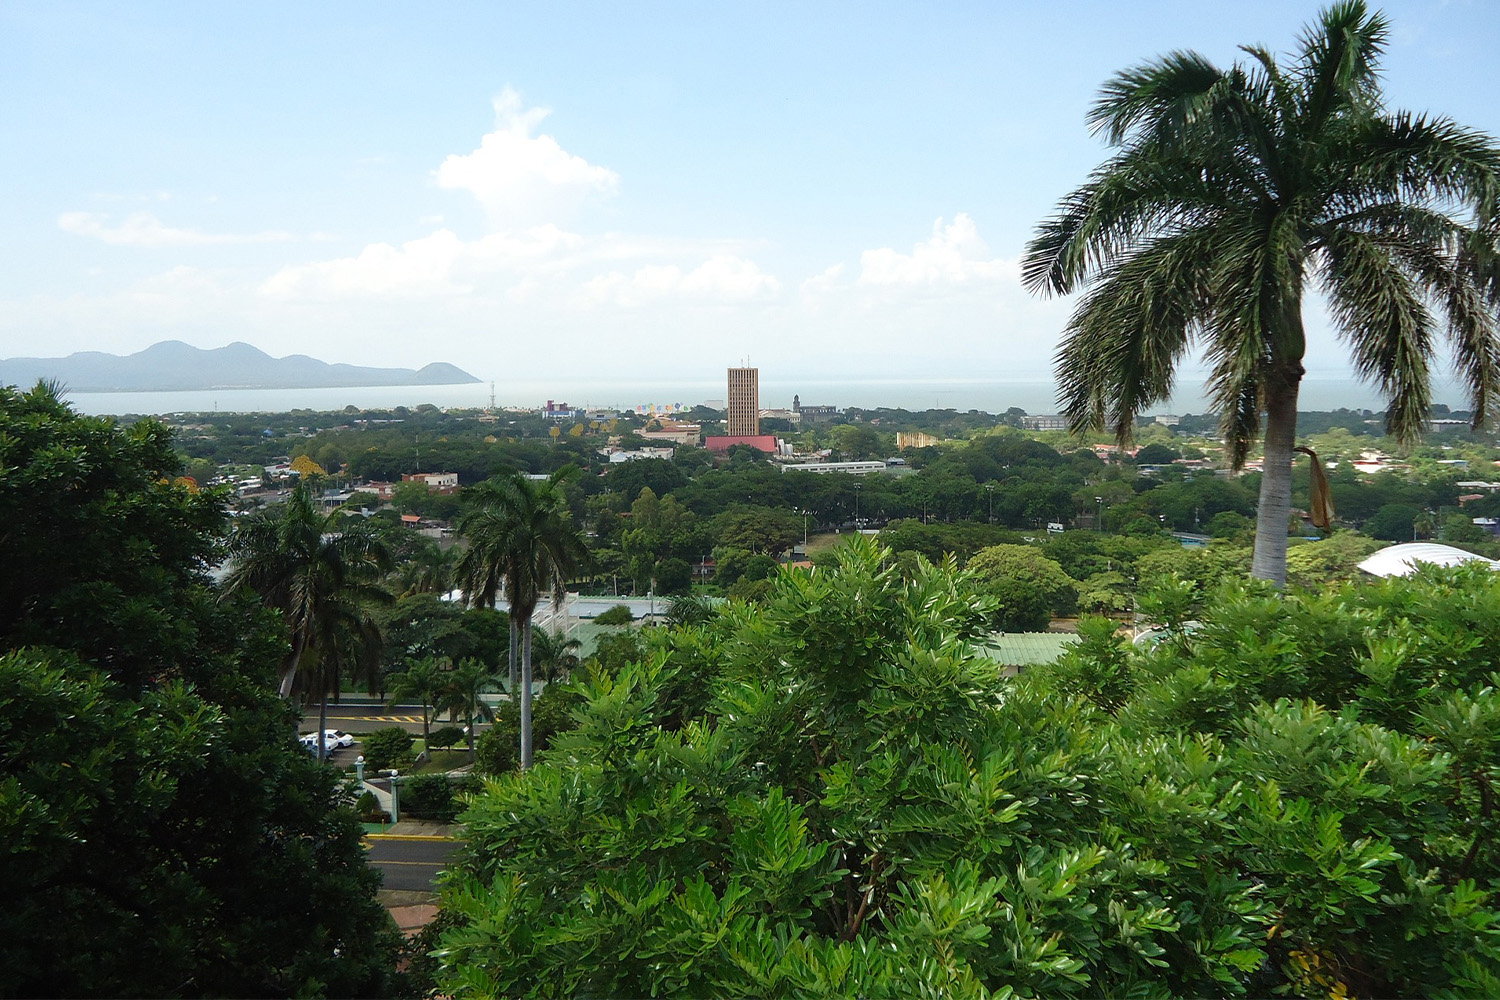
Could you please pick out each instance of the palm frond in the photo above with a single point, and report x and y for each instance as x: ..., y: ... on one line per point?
x: 1457, y: 282
x: 1414, y: 159
x: 1337, y: 63
x: 1164, y: 95
x: 1389, y: 329
x: 1120, y: 351
x: 1131, y: 198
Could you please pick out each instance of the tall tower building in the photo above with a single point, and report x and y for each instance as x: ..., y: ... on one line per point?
x: 744, y: 402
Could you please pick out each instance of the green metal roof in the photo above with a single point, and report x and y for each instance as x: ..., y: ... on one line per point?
x: 1027, y: 649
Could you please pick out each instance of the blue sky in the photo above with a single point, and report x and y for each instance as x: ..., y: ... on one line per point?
x: 590, y: 189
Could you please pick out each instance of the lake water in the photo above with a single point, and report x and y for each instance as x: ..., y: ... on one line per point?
x: 1037, y: 395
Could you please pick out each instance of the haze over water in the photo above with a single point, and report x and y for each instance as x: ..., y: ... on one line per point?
x: 1036, y: 395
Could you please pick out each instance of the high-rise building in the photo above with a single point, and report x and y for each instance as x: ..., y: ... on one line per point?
x: 744, y: 402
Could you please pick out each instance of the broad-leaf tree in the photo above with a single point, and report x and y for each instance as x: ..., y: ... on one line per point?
x: 1234, y: 192
x: 1297, y: 798
x: 163, y: 833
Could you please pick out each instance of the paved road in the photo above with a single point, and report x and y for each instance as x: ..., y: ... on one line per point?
x: 410, y: 864
x: 366, y: 718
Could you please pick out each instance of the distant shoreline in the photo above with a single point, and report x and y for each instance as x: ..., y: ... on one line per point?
x: 1035, y: 395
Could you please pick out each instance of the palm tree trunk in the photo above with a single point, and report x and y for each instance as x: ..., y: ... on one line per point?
x: 1275, y: 507
x: 323, y: 727
x: 526, y: 696
x: 512, y: 656
x: 289, y: 670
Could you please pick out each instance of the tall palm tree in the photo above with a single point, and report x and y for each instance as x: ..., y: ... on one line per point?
x: 1234, y: 190
x: 307, y: 564
x: 521, y: 536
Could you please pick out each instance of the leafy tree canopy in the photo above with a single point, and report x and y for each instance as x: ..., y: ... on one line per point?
x: 165, y: 833
x: 1295, y: 800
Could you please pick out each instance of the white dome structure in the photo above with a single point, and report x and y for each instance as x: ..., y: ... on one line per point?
x: 1403, y: 559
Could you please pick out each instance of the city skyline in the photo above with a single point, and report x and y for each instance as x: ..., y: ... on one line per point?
x: 599, y: 192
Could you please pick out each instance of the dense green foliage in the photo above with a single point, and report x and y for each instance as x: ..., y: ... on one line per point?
x: 1295, y: 797
x: 164, y: 835
x: 434, y: 797
x: 387, y: 747
x: 499, y: 749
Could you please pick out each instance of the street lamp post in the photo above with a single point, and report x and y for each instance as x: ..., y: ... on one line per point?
x: 1099, y: 517
x: 989, y: 488
x: 857, y: 488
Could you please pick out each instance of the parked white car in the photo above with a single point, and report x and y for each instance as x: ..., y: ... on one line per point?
x: 336, y: 739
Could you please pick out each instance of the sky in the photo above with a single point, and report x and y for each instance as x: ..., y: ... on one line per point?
x: 599, y: 190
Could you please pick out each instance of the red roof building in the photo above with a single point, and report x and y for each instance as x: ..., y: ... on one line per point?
x: 760, y: 442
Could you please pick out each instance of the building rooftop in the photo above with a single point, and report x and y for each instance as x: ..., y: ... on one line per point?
x: 1027, y: 649
x: 1403, y: 559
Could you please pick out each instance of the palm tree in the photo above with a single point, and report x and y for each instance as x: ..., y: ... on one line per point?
x: 306, y: 564
x: 689, y: 609
x: 464, y: 693
x: 424, y: 681
x: 553, y: 655
x: 1230, y: 193
x: 428, y: 569
x: 348, y: 643
x: 522, y: 536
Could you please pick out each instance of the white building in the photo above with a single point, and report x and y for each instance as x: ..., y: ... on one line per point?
x: 620, y: 457
x: 827, y: 468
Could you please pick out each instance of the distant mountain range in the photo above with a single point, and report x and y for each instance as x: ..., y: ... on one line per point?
x: 172, y: 365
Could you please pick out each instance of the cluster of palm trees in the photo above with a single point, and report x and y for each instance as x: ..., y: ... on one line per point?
x: 323, y: 572
x: 1235, y: 191
x: 439, y: 685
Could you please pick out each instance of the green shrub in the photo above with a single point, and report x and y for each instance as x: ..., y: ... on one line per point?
x: 433, y: 796
x: 499, y: 748
x: 389, y: 747
x: 1295, y: 796
x: 617, y: 615
x: 368, y: 808
x: 447, y: 736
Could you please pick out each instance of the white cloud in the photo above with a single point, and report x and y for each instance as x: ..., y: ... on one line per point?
x: 437, y: 264
x: 523, y: 179
x: 955, y: 254
x: 142, y: 229
x: 418, y: 267
x: 721, y: 278
x: 824, y: 281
